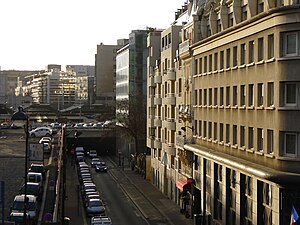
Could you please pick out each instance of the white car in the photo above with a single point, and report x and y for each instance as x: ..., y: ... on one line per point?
x: 95, y: 207
x: 41, y: 132
x: 99, y: 220
x: 93, y: 154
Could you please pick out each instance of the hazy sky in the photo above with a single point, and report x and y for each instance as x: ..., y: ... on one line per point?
x: 35, y: 33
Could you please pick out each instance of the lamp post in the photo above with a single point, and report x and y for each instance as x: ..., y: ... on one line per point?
x: 20, y: 118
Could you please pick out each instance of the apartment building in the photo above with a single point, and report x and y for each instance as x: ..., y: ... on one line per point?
x: 237, y: 114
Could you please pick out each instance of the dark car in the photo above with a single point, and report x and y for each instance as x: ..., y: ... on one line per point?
x: 32, y: 189
x: 101, y: 167
x: 38, y: 168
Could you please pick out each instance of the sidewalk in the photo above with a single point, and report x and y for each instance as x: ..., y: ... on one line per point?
x: 161, y: 210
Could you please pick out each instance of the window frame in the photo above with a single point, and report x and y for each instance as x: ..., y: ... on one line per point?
x: 285, y: 44
x: 296, y: 144
x: 285, y: 94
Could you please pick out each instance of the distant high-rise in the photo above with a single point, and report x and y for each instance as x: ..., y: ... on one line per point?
x: 105, y: 72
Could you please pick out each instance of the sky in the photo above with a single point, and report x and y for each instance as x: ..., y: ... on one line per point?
x: 35, y: 33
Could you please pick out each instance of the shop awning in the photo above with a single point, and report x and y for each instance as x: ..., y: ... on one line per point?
x: 184, y: 184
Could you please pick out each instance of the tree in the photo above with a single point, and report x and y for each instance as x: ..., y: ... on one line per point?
x: 131, y: 115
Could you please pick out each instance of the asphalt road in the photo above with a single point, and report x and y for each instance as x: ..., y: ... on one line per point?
x: 118, y: 206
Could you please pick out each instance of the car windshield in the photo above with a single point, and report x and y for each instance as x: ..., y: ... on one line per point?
x: 95, y: 203
x: 20, y: 206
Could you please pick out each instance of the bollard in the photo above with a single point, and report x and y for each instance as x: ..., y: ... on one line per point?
x: 66, y: 221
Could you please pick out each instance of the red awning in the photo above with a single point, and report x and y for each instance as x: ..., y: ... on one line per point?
x: 184, y: 184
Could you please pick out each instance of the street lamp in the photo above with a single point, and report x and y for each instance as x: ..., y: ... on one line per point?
x: 20, y: 118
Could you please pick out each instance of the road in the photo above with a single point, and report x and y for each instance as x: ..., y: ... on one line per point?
x: 118, y: 206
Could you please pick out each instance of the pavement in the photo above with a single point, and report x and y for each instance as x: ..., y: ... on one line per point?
x: 155, y: 207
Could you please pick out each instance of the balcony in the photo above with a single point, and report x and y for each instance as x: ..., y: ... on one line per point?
x: 157, y: 143
x: 169, y: 99
x: 151, y: 82
x: 184, y: 48
x: 170, y: 148
x: 150, y: 100
x: 157, y: 78
x: 157, y: 121
x: 169, y: 124
x: 169, y: 74
x: 150, y: 121
x: 150, y: 141
x: 157, y: 100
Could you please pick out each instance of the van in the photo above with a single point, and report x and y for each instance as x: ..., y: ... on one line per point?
x: 32, y: 205
x: 35, y: 178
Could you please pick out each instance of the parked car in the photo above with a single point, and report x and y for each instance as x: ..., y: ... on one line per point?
x: 40, y: 132
x: 18, y: 219
x: 38, y: 168
x: 32, y: 188
x: 32, y: 205
x: 4, y: 125
x: 45, y: 140
x: 101, y: 220
x: 35, y: 177
x: 95, y: 207
x: 93, y: 154
x: 102, y: 167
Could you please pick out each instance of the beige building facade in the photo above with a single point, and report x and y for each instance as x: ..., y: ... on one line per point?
x: 236, y: 111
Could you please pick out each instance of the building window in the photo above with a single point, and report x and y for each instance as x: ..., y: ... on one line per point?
x: 290, y: 144
x: 219, y: 27
x: 210, y: 62
x: 290, y: 94
x: 251, y: 52
x: 205, y: 64
x: 196, y: 67
x: 221, y: 134
x: 243, y: 54
x: 210, y: 96
x: 200, y: 97
x: 260, y: 6
x: 260, y: 49
x: 270, y: 46
x: 215, y: 96
x: 235, y: 56
x: 228, y: 133
x: 270, y: 142
x: 230, y: 19
x: 221, y: 60
x: 218, y: 192
x: 242, y: 136
x: 270, y: 100
x: 196, y: 98
x: 267, y: 204
x: 200, y: 128
x: 290, y: 44
x: 251, y: 95
x: 231, y: 174
x: 228, y: 58
x: 204, y: 129
x: 248, y: 200
x: 221, y: 96
x: 215, y: 131
x: 209, y: 130
x: 200, y: 66
x: 227, y: 96
x: 244, y: 13
x: 260, y: 139
x: 243, y: 95
x: 234, y: 134
x: 260, y: 94
x: 216, y: 61
x: 234, y: 96
x: 250, y: 137
x: 205, y: 97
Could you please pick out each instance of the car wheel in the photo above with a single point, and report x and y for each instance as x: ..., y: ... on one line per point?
x: 47, y: 135
x: 32, y: 135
